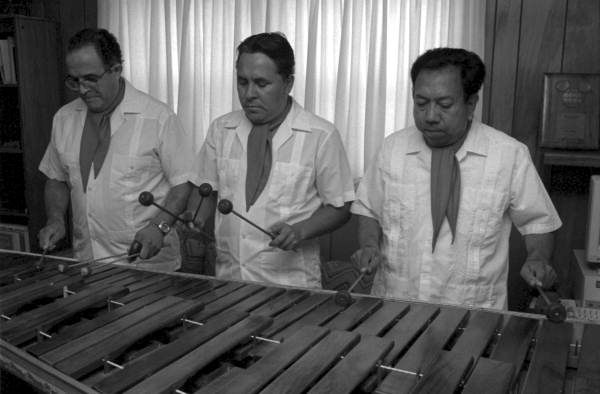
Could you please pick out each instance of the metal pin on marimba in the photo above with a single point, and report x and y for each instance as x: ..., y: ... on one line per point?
x: 404, y: 371
x: 226, y: 207
x: 193, y: 322
x: 41, y: 334
x: 263, y: 339
x: 67, y: 292
x: 5, y: 317
x: 113, y: 364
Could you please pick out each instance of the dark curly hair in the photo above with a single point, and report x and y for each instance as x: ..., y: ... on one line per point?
x: 102, y: 40
x: 472, y: 69
x: 275, y: 46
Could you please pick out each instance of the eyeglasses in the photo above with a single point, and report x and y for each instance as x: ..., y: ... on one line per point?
x: 89, y: 81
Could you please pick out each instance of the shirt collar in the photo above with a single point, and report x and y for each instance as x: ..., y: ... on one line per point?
x: 476, y: 141
x: 295, y: 119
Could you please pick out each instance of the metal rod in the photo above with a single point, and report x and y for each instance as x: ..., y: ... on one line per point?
x: 115, y: 365
x: 264, y: 339
x: 67, y: 292
x: 196, y: 323
x: 388, y: 368
x: 70, y: 259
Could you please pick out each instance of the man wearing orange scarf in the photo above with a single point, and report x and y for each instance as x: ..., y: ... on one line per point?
x: 437, y: 204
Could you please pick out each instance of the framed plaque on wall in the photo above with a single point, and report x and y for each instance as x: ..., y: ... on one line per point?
x: 571, y: 111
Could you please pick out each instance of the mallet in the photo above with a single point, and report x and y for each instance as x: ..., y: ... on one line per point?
x: 554, y: 311
x: 204, y: 189
x: 225, y: 207
x: 147, y: 199
x: 343, y: 297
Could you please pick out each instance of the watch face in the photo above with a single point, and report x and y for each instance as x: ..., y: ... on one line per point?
x: 164, y: 227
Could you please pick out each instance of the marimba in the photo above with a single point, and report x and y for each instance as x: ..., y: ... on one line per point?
x: 126, y: 330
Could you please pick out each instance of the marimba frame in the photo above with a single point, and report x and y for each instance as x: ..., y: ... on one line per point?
x: 198, y: 334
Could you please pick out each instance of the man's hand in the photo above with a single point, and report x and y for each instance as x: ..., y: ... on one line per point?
x: 186, y: 226
x: 536, y: 272
x: 367, y: 259
x: 287, y: 237
x: 52, y: 233
x: 151, y: 239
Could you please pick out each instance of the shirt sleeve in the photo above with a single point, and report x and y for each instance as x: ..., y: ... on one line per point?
x: 531, y: 209
x: 51, y: 165
x: 370, y: 192
x: 176, y: 151
x: 204, y: 168
x: 333, y: 176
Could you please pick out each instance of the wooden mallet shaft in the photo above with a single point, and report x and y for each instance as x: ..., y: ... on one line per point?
x: 226, y: 207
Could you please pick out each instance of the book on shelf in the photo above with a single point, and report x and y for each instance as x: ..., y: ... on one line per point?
x: 7, y: 61
x: 14, y: 237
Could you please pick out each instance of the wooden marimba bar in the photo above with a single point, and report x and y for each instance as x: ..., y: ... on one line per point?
x: 125, y: 330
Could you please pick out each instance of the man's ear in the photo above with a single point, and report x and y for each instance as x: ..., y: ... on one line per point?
x: 472, y: 103
x: 117, y: 68
x: 289, y: 84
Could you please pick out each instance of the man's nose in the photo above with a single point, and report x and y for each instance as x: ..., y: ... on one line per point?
x: 83, y: 89
x: 250, y: 91
x: 431, y: 113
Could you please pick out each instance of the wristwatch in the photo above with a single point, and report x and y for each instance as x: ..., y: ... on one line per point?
x: 164, y: 227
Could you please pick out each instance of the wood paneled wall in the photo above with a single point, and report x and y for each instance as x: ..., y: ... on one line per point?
x: 524, y: 40
x: 72, y: 16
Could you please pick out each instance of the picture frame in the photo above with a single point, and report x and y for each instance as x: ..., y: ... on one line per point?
x: 571, y: 111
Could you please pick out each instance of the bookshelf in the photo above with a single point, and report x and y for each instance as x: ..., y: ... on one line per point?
x: 27, y: 106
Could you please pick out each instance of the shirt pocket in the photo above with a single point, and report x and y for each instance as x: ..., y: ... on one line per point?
x: 129, y: 174
x: 228, y: 171
x: 290, y: 183
x: 399, y: 206
x: 489, y: 207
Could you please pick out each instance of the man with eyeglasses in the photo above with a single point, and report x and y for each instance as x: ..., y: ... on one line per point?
x: 107, y: 146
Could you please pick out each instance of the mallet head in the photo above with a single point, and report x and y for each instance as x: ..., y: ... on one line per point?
x: 343, y: 298
x: 146, y: 198
x: 225, y: 207
x: 556, y: 313
x: 205, y: 189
